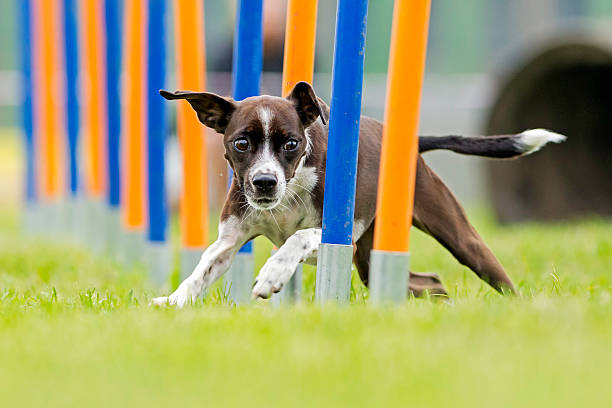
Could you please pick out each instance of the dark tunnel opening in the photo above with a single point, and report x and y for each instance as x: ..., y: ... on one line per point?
x: 567, y: 89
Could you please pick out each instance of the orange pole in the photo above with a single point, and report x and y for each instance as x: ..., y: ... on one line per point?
x: 133, y: 186
x: 93, y: 104
x: 300, y: 36
x: 300, y: 40
x: 47, y: 65
x: 400, y: 140
x: 191, y: 72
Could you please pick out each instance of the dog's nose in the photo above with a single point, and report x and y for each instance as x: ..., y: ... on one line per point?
x: 264, y: 182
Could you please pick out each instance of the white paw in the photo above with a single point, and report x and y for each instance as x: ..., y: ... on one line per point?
x: 181, y: 297
x: 160, y: 301
x: 271, y: 279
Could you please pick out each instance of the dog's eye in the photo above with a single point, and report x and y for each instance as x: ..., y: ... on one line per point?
x: 241, y: 144
x: 290, y: 144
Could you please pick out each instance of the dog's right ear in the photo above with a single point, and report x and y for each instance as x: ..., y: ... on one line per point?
x: 306, y: 104
x: 213, y: 110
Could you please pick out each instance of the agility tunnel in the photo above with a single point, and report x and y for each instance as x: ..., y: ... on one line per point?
x: 561, y: 81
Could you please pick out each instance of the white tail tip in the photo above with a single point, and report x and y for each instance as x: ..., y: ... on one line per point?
x: 534, y: 139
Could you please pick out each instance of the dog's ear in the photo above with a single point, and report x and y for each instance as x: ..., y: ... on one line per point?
x: 213, y: 110
x: 306, y: 104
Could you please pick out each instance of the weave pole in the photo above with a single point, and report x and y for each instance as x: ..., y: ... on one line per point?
x: 47, y: 110
x: 133, y: 133
x: 159, y: 253
x: 71, y: 59
x: 112, y: 25
x: 246, y: 75
x: 191, y: 74
x: 27, y: 124
x: 334, y: 264
x: 94, y: 123
x: 390, y: 257
x: 298, y: 65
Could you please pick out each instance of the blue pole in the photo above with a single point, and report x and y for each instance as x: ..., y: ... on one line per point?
x: 112, y: 13
x: 71, y: 56
x: 246, y: 75
x: 343, y: 143
x: 156, y: 119
x: 335, y: 255
x: 247, y: 58
x: 25, y: 45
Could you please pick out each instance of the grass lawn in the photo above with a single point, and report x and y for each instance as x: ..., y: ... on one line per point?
x: 75, y: 330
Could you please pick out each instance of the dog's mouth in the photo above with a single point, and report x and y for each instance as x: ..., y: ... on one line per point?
x: 263, y: 203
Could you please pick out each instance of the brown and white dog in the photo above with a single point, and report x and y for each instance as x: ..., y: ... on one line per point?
x: 277, y: 149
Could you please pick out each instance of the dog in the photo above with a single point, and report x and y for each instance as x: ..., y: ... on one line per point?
x: 277, y: 147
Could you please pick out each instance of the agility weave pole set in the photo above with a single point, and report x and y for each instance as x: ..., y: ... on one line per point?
x: 139, y: 130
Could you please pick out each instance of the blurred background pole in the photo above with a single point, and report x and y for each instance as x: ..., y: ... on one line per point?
x: 47, y: 123
x: 191, y: 75
x: 71, y: 60
x: 112, y: 23
x: 389, y: 259
x: 159, y: 254
x: 247, y: 61
x: 335, y: 259
x: 298, y: 65
x: 94, y: 123
x: 133, y: 134
x: 27, y: 126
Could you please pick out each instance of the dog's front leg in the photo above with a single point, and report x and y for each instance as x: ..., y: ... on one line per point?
x: 215, y: 261
x: 280, y: 267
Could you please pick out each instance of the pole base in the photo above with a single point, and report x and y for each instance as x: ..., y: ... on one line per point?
x: 388, y: 279
x: 291, y: 292
x: 334, y: 266
x: 239, y: 279
x: 189, y: 260
x: 133, y: 251
x: 159, y: 261
x: 114, y: 232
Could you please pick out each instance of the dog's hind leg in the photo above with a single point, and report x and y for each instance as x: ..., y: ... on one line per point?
x: 438, y: 213
x: 418, y: 283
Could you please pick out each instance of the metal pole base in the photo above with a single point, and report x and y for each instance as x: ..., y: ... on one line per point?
x: 239, y: 278
x: 189, y: 260
x: 30, y: 218
x: 96, y: 223
x: 133, y: 251
x: 334, y: 266
x: 159, y: 261
x: 388, y: 279
x: 114, y: 232
x: 291, y: 293
x: 72, y: 220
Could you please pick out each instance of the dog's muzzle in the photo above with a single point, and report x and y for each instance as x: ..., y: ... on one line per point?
x: 265, y: 183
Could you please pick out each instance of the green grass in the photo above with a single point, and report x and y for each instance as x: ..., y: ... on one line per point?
x: 75, y: 330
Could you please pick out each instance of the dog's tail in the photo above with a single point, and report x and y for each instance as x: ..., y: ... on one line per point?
x: 500, y: 147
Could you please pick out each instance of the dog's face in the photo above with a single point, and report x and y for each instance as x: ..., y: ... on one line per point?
x: 264, y: 136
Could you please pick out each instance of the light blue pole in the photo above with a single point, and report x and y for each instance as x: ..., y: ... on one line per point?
x: 113, y: 22
x: 246, y: 76
x: 336, y: 252
x: 25, y: 45
x: 159, y: 250
x: 71, y: 56
x: 24, y: 36
x: 114, y: 40
x: 71, y: 59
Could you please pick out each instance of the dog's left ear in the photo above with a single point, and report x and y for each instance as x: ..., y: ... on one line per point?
x: 213, y: 110
x: 306, y: 104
